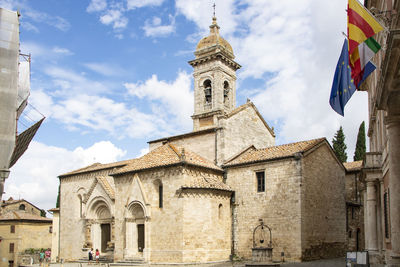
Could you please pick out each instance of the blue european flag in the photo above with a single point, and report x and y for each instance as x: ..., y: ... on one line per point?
x: 343, y: 86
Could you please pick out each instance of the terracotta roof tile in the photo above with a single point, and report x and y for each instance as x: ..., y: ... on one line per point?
x: 353, y: 166
x: 165, y: 155
x: 274, y: 152
x: 97, y: 166
x: 207, y: 183
x: 22, y: 215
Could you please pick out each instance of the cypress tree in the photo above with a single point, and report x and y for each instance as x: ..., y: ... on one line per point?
x: 58, y: 197
x: 359, y: 153
x: 339, y: 147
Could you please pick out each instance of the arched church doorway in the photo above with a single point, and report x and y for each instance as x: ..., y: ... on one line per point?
x: 101, y: 223
x: 135, y: 230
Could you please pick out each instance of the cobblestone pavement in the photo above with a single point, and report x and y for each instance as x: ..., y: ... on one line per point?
x: 320, y: 263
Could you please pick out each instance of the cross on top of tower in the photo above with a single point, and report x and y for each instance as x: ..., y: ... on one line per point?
x: 214, y: 9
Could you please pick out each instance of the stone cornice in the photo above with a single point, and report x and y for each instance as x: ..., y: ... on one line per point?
x: 216, y: 56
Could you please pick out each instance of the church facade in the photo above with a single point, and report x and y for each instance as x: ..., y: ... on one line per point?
x: 198, y: 196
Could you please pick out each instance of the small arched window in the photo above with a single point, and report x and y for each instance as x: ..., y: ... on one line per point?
x: 22, y: 207
x: 160, y: 195
x: 207, y: 91
x: 226, y: 92
x: 80, y: 205
x: 220, y: 211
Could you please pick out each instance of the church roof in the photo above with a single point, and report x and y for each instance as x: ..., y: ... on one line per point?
x: 202, y: 182
x: 22, y: 216
x: 96, y: 167
x: 353, y: 166
x: 167, y: 155
x: 253, y: 155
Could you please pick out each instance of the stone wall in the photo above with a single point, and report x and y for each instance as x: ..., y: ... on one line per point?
x: 355, y: 212
x: 202, y: 144
x: 323, y: 205
x: 55, y: 236
x: 241, y: 130
x: 206, y: 225
x: 278, y: 207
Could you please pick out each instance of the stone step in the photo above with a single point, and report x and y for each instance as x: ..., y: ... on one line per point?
x: 262, y: 264
x: 127, y: 262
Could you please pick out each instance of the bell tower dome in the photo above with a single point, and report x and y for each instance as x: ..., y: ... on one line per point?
x: 214, y: 79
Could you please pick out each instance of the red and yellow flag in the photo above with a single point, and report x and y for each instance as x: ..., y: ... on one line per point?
x: 361, y: 25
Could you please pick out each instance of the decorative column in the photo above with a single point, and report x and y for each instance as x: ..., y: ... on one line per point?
x: 370, y: 228
x: 88, y: 234
x: 393, y: 134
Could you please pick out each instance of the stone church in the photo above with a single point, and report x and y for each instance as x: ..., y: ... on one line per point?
x: 198, y: 196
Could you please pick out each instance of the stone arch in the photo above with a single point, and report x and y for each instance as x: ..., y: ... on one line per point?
x: 136, y: 210
x: 81, y: 194
x: 99, y: 213
x: 97, y: 207
x: 207, y: 85
x: 226, y: 92
x: 22, y: 207
x: 135, y: 229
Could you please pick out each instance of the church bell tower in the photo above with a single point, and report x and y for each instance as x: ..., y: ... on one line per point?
x: 214, y: 79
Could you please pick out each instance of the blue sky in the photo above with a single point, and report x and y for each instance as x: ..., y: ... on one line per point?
x: 111, y: 75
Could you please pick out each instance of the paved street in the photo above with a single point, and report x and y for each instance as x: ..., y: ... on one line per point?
x: 319, y: 263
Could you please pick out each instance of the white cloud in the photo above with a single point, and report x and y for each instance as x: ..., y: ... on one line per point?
x: 34, y: 176
x: 43, y: 51
x: 96, y: 6
x: 70, y: 82
x: 132, y: 4
x: 60, y: 50
x: 175, y: 96
x: 201, y: 13
x: 55, y: 21
x: 105, y: 69
x: 155, y: 29
x: 9, y: 4
x: 29, y: 26
x: 114, y: 17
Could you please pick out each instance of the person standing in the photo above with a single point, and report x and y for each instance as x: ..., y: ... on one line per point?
x: 41, y: 257
x: 90, y: 255
x: 47, y: 254
x: 97, y: 255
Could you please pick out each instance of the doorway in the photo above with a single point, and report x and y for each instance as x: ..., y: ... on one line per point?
x: 105, y: 236
x: 140, y: 228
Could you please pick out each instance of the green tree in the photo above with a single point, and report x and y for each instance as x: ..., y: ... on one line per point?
x: 43, y: 213
x: 339, y: 147
x: 58, y: 197
x: 359, y: 153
